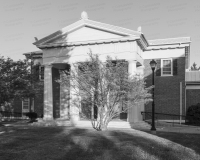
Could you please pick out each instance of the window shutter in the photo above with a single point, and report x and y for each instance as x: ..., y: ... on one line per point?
x: 175, y: 67
x: 158, y: 67
x: 41, y: 73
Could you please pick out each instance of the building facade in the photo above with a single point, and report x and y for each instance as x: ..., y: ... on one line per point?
x: 71, y: 45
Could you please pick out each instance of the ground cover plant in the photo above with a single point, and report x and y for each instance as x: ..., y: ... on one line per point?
x: 36, y: 143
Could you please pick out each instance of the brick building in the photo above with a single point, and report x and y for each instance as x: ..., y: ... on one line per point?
x: 72, y: 43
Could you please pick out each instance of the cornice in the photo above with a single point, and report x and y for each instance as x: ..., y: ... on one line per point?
x: 115, y: 40
x: 169, y: 41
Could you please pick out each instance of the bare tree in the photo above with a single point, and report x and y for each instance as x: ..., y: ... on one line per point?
x: 105, y: 86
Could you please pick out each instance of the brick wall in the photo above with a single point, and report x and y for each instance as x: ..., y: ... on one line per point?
x: 193, y: 97
x: 167, y: 89
x: 39, y: 98
x: 17, y: 105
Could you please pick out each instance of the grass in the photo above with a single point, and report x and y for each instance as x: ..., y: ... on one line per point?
x: 66, y: 143
x: 188, y: 140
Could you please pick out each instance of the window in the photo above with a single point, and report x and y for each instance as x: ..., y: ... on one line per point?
x: 25, y: 105
x: 166, y: 67
x: 41, y: 73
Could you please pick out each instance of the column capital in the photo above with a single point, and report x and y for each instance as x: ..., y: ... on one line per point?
x: 132, y: 67
x: 48, y: 65
x: 132, y: 61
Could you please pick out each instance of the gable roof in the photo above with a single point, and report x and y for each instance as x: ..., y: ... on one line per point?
x: 85, y: 22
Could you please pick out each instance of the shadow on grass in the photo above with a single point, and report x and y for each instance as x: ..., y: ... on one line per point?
x: 74, y: 144
x: 185, y: 139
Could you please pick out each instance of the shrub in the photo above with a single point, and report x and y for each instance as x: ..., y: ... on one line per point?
x: 193, y: 114
x: 32, y: 115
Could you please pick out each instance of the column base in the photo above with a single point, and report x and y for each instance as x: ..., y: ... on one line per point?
x: 74, y: 119
x: 48, y: 118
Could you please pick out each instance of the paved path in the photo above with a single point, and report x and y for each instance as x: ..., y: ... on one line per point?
x: 176, y: 129
x: 186, y: 129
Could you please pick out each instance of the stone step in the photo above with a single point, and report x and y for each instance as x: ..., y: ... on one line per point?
x: 112, y: 124
x: 83, y: 124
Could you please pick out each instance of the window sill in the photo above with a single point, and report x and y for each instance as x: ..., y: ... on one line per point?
x: 166, y: 75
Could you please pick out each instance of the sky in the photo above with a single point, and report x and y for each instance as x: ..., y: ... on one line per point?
x: 22, y: 20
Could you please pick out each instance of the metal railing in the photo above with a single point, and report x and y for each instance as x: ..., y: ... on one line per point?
x: 164, y: 119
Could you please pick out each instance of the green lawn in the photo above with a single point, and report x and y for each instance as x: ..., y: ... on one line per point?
x: 188, y: 140
x: 46, y: 143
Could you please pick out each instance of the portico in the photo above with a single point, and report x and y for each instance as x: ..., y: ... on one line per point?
x: 71, y: 45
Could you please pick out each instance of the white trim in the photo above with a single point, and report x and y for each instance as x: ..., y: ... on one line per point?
x: 192, y: 86
x: 169, y: 120
x: 33, y: 105
x: 89, y: 42
x: 168, y: 53
x: 162, y: 67
x: 166, y: 41
x: 181, y: 103
x: 25, y: 110
x: 40, y: 77
x: 185, y: 97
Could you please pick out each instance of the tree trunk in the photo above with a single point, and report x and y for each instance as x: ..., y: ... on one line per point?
x: 103, y: 127
x: 101, y: 124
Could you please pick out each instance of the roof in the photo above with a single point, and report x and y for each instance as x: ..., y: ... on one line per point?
x: 169, y: 41
x: 34, y: 54
x: 114, y: 40
x: 85, y: 22
x: 127, y: 35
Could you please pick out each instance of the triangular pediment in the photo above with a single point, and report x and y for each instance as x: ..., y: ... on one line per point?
x: 86, y: 30
x: 86, y: 34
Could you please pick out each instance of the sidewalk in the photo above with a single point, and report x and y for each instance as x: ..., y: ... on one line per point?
x: 176, y: 129
x: 186, y: 129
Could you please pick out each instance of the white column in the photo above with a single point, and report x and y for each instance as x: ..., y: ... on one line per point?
x: 74, y: 99
x: 64, y: 96
x: 140, y: 71
x: 48, y: 93
x: 181, y: 103
x: 132, y: 110
x: 141, y: 105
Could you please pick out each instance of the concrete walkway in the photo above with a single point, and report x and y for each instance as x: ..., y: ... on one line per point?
x: 183, y: 129
x: 176, y: 129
